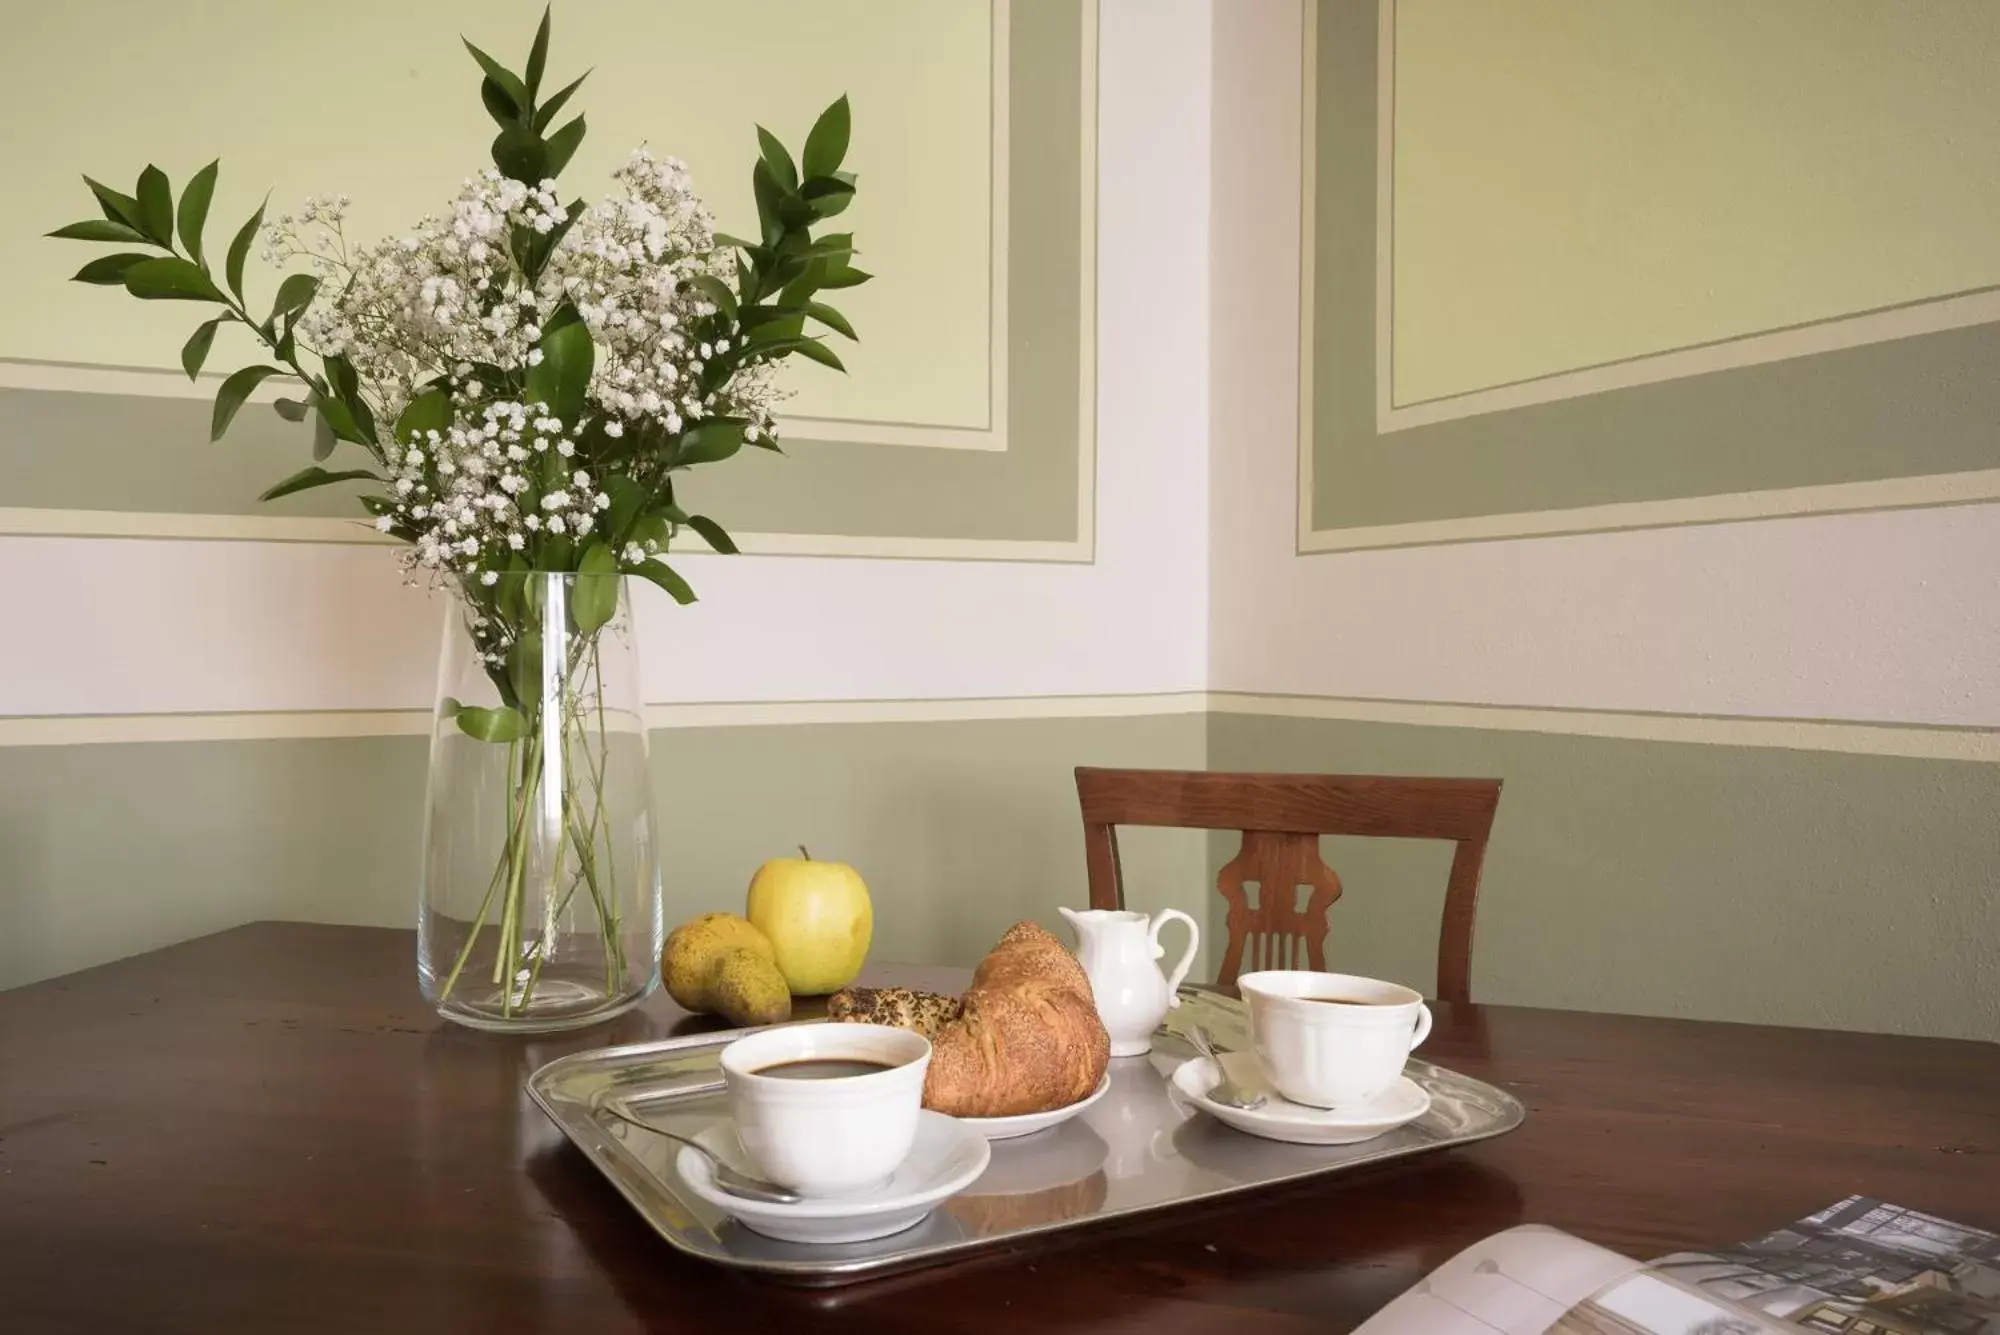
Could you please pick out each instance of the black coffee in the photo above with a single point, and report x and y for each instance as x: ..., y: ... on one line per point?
x: 824, y: 1068
x: 1350, y: 1001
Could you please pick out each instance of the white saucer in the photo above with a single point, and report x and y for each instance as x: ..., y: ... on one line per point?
x: 1281, y: 1119
x: 1027, y: 1124
x: 947, y: 1157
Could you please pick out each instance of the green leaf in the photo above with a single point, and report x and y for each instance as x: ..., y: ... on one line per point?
x: 193, y: 214
x: 545, y: 114
x: 725, y: 239
x: 294, y: 295
x: 827, y: 144
x: 156, y: 205
x: 239, y: 249
x: 98, y: 229
x: 827, y: 196
x: 711, y: 442
x: 429, y: 411
x: 814, y: 350
x: 765, y: 187
x: 195, y: 351
x: 109, y: 270
x: 594, y: 601
x: 662, y: 574
x: 315, y: 476
x: 234, y: 390
x: 716, y: 291
x: 627, y: 498
x: 170, y: 279
x: 562, y: 145
x: 509, y: 82
x: 778, y: 160
x: 563, y: 373
x: 117, y: 207
x: 292, y: 410
x: 339, y: 422
x: 519, y: 152
x: 498, y: 105
x: 845, y: 276
x: 325, y: 435
x: 831, y: 318
x: 712, y: 534
x: 524, y: 667
x: 500, y: 724
x: 538, y: 56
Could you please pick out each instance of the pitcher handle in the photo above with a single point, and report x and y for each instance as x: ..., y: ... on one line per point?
x: 1174, y: 979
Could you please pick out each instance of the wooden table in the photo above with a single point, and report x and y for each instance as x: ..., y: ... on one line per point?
x: 266, y: 1131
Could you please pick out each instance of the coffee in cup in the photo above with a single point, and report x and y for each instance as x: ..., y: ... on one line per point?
x: 1332, y: 1040
x: 827, y: 1109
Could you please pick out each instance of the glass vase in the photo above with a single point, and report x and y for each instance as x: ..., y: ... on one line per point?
x: 540, y: 907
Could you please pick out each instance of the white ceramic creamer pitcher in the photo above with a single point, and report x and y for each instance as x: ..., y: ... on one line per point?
x: 1117, y: 949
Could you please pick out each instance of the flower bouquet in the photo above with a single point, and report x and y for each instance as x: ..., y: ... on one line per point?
x: 519, y: 380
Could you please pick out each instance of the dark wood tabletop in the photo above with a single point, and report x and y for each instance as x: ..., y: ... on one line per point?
x: 266, y: 1130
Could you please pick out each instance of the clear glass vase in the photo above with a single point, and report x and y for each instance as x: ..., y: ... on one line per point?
x: 541, y: 893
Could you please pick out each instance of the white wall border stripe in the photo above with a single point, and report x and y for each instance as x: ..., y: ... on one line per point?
x: 1839, y: 736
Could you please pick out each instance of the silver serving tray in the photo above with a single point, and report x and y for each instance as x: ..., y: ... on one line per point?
x: 1141, y: 1147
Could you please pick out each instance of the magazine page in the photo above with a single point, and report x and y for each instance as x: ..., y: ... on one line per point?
x: 1520, y: 1282
x: 1863, y: 1267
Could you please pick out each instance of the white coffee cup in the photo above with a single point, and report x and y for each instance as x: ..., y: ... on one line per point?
x: 827, y: 1137
x: 1338, y: 1052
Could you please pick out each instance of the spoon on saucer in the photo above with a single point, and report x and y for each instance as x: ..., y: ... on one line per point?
x: 725, y: 1177
x: 1226, y: 1091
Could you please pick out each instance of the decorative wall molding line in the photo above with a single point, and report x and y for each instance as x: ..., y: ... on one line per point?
x: 1904, y: 493
x: 1852, y: 738
x: 23, y: 521
x: 1878, y: 739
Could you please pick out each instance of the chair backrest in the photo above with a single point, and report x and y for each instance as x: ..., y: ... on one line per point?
x: 1282, y: 817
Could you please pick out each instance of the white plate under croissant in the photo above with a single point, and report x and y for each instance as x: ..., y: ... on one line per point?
x: 1027, y: 1124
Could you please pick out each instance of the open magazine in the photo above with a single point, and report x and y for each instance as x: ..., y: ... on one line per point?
x: 1862, y: 1267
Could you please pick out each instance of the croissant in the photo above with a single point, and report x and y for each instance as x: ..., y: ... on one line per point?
x: 1026, y: 1037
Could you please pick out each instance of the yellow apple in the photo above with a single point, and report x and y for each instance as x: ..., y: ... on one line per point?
x: 817, y: 918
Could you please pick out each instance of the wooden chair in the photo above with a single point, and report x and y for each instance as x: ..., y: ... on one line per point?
x: 1282, y: 817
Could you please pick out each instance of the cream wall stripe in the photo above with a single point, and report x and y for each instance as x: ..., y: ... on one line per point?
x: 1902, y: 493
x: 1924, y: 743
x: 1791, y: 734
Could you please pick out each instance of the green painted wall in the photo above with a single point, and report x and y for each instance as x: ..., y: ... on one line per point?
x: 1713, y: 882
x: 1913, y: 407
x: 959, y: 828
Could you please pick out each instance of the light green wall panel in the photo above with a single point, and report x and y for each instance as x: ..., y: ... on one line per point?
x: 1913, y: 407
x: 1586, y: 181
x: 959, y: 828
x: 383, y: 104
x: 1712, y: 882
x: 66, y: 450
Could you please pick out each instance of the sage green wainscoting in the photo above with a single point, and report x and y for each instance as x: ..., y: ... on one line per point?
x: 1711, y: 882
x: 1916, y: 406
x: 960, y: 828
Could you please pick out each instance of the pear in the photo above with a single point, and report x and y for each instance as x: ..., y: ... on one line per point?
x: 693, y: 950
x: 748, y: 989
